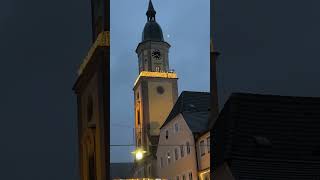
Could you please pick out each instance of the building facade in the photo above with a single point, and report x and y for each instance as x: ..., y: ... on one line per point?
x: 176, y: 154
x: 183, y: 151
x: 91, y: 89
x: 155, y: 87
x: 203, y: 156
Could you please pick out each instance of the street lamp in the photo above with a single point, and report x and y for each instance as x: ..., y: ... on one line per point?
x: 139, y: 153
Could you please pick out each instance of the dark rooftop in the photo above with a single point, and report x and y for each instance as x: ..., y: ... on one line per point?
x: 194, y: 107
x: 268, y: 136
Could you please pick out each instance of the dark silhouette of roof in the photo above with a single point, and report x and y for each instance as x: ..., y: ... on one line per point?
x: 152, y: 30
x: 151, y: 11
x: 121, y: 170
x: 194, y: 107
x: 268, y: 137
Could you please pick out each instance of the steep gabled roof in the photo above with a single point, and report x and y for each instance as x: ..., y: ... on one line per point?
x: 194, y: 106
x: 252, y: 129
x: 197, y: 121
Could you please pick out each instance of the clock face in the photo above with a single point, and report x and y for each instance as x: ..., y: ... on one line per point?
x: 156, y: 54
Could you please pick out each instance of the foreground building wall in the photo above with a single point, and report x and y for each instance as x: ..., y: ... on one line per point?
x: 203, y: 156
x: 174, y: 156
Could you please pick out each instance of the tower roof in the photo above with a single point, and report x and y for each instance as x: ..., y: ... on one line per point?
x: 151, y: 11
x: 152, y: 30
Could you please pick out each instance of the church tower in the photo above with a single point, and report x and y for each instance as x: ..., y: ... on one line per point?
x: 155, y: 92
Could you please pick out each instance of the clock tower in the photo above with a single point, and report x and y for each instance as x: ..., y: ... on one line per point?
x: 155, y: 93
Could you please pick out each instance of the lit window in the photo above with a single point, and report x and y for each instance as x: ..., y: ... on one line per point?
x: 157, y: 68
x: 188, y: 148
x: 169, y: 158
x: 208, y: 144
x: 176, y: 153
x: 176, y: 127
x: 181, y: 151
x: 202, y: 148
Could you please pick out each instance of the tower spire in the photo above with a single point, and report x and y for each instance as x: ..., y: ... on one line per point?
x: 151, y: 13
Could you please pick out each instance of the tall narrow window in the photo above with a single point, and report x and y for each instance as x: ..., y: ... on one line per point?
x: 188, y: 148
x: 181, y: 151
x: 161, y: 162
x: 169, y: 158
x: 202, y: 148
x: 149, y: 169
x: 176, y: 127
x: 208, y: 144
x: 138, y: 114
x: 190, y: 175
x: 167, y: 134
x: 184, y: 177
x: 176, y: 153
x: 157, y: 68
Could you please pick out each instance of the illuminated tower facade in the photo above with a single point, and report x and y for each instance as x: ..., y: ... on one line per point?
x: 155, y: 92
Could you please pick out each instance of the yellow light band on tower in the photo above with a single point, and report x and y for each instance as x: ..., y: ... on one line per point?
x: 170, y: 75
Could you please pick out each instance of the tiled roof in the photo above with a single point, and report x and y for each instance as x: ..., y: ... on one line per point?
x: 197, y: 121
x: 278, y: 128
x: 194, y: 106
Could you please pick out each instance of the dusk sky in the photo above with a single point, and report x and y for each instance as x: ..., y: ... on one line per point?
x: 266, y: 47
x: 189, y: 37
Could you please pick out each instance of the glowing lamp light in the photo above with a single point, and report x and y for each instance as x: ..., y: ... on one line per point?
x: 139, y: 154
